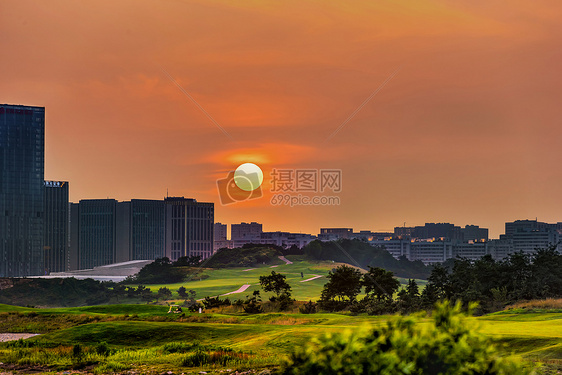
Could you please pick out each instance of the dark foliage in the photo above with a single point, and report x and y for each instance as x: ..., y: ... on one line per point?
x: 161, y: 271
x: 380, y: 283
x: 276, y: 283
x: 212, y: 302
x: 164, y: 293
x: 58, y: 292
x: 342, y: 288
x: 247, y: 256
x: 252, y: 305
x: 496, y: 283
x: 293, y: 250
x: 192, y: 261
x: 365, y: 255
x: 308, y: 308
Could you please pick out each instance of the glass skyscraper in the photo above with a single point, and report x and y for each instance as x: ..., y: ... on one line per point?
x: 104, y: 231
x: 22, y: 161
x: 56, y: 226
x: 147, y: 229
x: 97, y: 234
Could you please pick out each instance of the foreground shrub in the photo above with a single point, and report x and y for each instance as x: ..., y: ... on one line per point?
x: 308, y: 308
x: 448, y: 345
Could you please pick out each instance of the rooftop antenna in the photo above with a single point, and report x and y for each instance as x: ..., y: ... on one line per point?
x: 167, y: 196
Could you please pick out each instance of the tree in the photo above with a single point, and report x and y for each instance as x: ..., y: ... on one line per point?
x: 164, y: 293
x: 131, y: 292
x: 145, y: 293
x: 342, y: 288
x: 429, y: 296
x: 409, y: 297
x: 439, y: 279
x: 253, y: 305
x: 190, y: 301
x: 380, y: 283
x: 161, y: 271
x: 182, y: 292
x: 191, y: 261
x: 275, y: 283
x: 546, y: 270
x: 119, y: 290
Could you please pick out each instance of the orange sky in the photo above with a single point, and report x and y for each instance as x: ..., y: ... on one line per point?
x: 468, y: 131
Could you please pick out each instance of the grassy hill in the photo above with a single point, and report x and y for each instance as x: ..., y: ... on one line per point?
x: 206, y: 282
x: 220, y: 281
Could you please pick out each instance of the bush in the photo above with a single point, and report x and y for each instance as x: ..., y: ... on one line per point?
x: 252, y: 305
x: 77, y: 351
x: 180, y: 347
x: 308, y: 308
x: 196, y: 359
x: 449, y: 345
x: 212, y: 302
x: 103, y: 349
x: 285, y: 301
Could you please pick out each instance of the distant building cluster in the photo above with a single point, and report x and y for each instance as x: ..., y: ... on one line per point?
x: 430, y: 243
x: 252, y: 233
x: 437, y: 242
x: 41, y: 232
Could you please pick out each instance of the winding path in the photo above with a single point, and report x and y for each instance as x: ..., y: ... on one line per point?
x: 242, y: 289
x: 312, y: 278
x: 287, y: 261
x: 15, y: 336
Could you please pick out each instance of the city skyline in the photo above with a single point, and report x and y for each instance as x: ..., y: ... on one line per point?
x: 464, y: 132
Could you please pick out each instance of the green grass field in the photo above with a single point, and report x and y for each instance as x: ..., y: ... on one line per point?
x: 138, y: 336
x: 145, y: 338
x: 222, y: 281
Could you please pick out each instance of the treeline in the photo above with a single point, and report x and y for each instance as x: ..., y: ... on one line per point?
x: 492, y: 283
x: 360, y: 253
x: 496, y: 283
x: 164, y: 271
x: 382, y: 293
x: 249, y: 255
x: 61, y: 292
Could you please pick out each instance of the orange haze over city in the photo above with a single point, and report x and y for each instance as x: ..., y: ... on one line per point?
x: 148, y: 97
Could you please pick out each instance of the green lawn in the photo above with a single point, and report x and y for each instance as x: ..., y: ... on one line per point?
x: 138, y: 334
x: 221, y: 281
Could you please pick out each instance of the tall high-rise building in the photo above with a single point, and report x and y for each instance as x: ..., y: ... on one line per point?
x: 22, y: 165
x: 189, y: 228
x: 104, y: 231
x: 147, y: 229
x: 56, y: 226
x: 96, y: 233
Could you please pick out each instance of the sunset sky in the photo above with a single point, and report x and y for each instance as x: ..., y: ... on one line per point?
x: 468, y: 130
